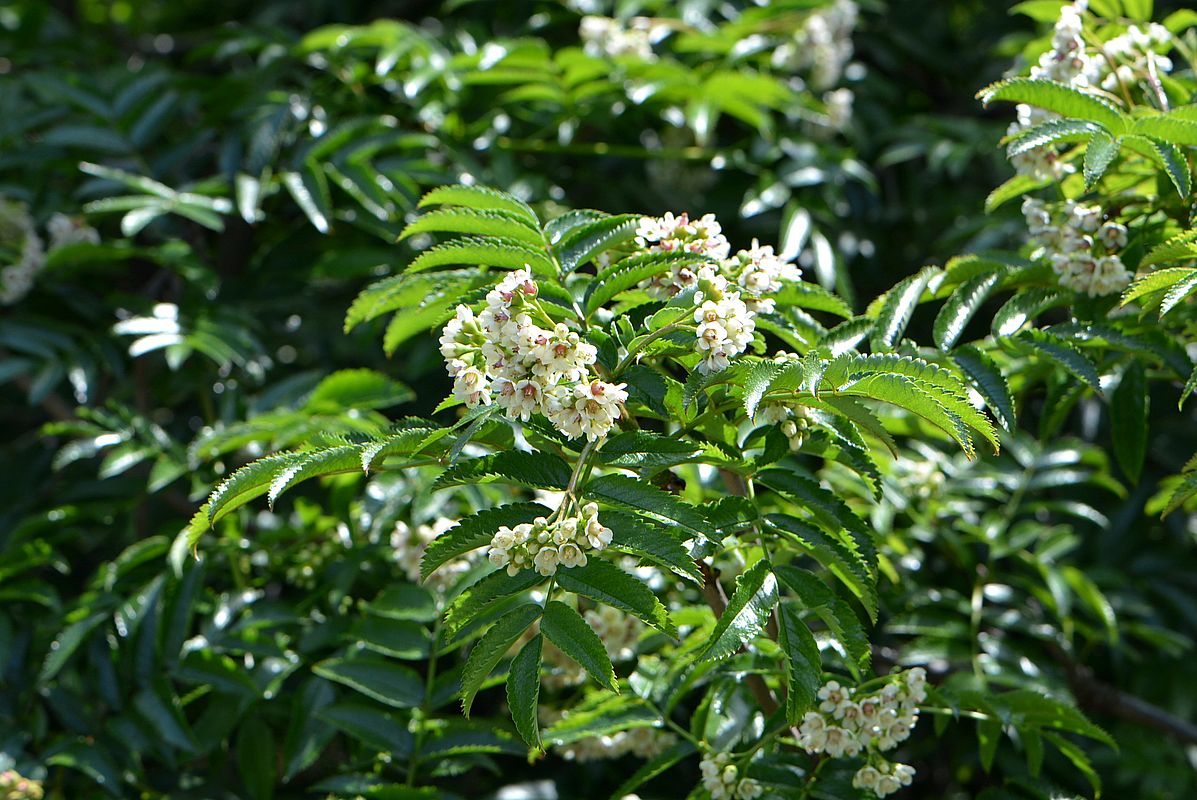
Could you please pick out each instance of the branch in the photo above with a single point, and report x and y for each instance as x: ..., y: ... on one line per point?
x: 1093, y: 694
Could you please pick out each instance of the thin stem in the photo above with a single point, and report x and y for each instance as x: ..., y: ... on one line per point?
x: 425, y: 705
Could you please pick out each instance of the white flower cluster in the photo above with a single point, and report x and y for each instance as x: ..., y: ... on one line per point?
x: 884, y: 779
x: 844, y: 727
x: 823, y: 45
x: 503, y: 355
x: 643, y: 743
x: 1134, y: 49
x: 1081, y: 246
x: 722, y: 780
x: 604, y: 36
x: 409, y: 545
x: 733, y: 289
x: 20, y: 241
x: 545, y: 546
x: 1065, y: 63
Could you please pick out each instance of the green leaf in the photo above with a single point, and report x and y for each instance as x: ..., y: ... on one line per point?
x: 609, y: 585
x: 487, y: 251
x: 984, y: 376
x: 765, y: 376
x: 504, y: 224
x: 1178, y: 293
x: 1062, y: 353
x: 626, y: 274
x: 898, y: 307
x: 480, y: 197
x: 490, y: 649
x: 1050, y: 133
x: 1099, y: 154
x: 651, y: 541
x: 601, y: 715
x: 245, y: 484
x: 621, y: 490
x: 389, y: 683
x: 835, y: 553
x: 1023, y: 308
x: 565, y: 628
x: 804, y: 665
x: 1129, y: 413
x: 1182, y: 247
x: 961, y: 306
x: 314, y: 464
x: 414, y: 291
x: 839, y: 617
x: 486, y: 591
x: 585, y: 242
x: 1075, y: 754
x: 1190, y: 386
x: 476, y: 531
x: 535, y: 470
x: 256, y: 758
x: 747, y: 612
x: 358, y: 388
x: 1013, y: 189
x: 1174, y: 130
x: 381, y: 730
x: 644, y: 449
x: 1051, y: 96
x: 523, y: 691
x: 309, y: 189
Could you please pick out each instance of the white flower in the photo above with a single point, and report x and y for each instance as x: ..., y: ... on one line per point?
x: 546, y: 561
x: 571, y: 555
x: 471, y: 387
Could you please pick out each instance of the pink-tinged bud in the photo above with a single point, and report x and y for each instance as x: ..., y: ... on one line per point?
x: 598, y: 388
x: 529, y: 391
x: 507, y: 296
x: 529, y: 288
x: 560, y: 350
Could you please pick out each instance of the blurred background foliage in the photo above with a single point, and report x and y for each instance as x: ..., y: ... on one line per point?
x: 246, y: 169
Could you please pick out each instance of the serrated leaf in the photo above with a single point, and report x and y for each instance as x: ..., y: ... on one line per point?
x: 1013, y: 189
x: 961, y: 306
x: 1173, y: 130
x: 626, y: 274
x: 480, y: 197
x: 1099, y: 154
x: 489, y: 589
x: 564, y: 627
x: 1057, y: 97
x: 747, y: 612
x: 334, y: 460
x: 484, y: 251
x: 836, y: 553
x: 523, y: 691
x: 804, y: 665
x: 389, y: 683
x: 984, y: 376
x: 602, y: 715
x: 1129, y: 412
x: 1022, y: 309
x: 490, y: 649
x: 476, y: 531
x: 1178, y: 293
x: 586, y: 241
x: 898, y: 307
x: 644, y: 449
x: 651, y: 541
x: 413, y: 291
x: 1050, y: 133
x: 535, y: 470
x: 839, y: 617
x: 477, y: 222
x: 248, y: 482
x: 631, y: 493
x: 609, y: 585
x: 765, y: 376
x: 1063, y: 353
